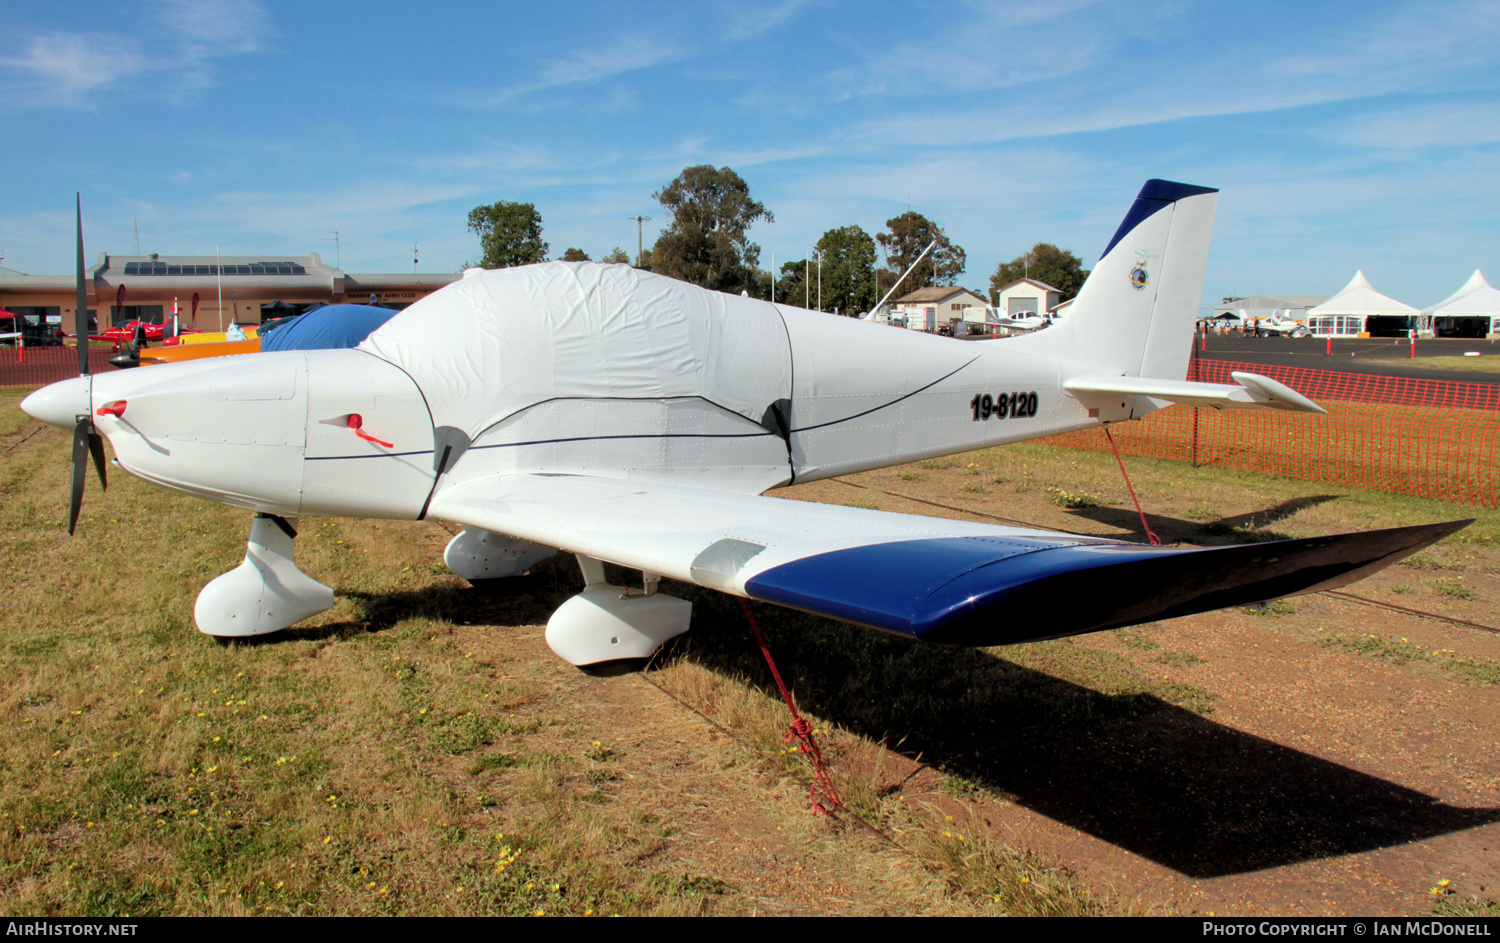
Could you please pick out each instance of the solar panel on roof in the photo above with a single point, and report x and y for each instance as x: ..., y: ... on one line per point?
x: 137, y: 269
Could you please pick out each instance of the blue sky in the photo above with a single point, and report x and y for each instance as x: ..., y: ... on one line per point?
x: 1343, y: 136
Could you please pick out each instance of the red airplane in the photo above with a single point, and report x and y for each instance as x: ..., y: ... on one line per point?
x: 137, y: 332
x: 125, y: 332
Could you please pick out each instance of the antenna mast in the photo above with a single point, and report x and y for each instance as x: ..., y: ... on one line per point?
x: 905, y: 273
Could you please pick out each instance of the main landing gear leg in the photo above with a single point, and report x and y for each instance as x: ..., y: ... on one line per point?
x: 264, y: 594
x: 607, y: 623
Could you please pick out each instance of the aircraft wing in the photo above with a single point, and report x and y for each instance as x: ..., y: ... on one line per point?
x: 1252, y: 392
x: 952, y: 582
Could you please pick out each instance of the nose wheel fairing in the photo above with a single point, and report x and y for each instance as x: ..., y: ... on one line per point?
x: 264, y: 594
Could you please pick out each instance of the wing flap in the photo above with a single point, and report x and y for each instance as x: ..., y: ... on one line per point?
x: 951, y: 582
x: 682, y: 532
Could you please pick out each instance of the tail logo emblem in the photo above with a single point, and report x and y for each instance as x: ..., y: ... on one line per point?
x: 1140, y: 277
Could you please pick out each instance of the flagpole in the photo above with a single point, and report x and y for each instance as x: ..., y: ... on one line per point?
x: 219, y: 267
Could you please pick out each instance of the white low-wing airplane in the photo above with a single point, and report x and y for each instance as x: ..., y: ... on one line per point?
x: 626, y: 417
x: 1275, y: 325
x: 1032, y: 322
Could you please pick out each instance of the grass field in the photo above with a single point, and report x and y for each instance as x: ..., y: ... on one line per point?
x: 1486, y: 362
x: 417, y: 750
x: 404, y: 753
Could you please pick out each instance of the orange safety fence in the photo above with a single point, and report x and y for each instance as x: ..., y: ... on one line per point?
x: 31, y: 368
x: 1430, y: 438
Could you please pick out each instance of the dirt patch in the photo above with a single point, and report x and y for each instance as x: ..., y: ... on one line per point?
x: 1321, y: 779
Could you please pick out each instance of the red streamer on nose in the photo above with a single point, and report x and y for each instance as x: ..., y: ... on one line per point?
x: 356, y: 422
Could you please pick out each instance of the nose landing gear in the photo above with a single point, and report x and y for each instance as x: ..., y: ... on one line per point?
x: 264, y: 594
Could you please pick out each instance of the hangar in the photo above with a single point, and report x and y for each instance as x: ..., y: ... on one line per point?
x: 242, y: 289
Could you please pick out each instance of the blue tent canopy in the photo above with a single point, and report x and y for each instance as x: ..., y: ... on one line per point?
x: 332, y: 327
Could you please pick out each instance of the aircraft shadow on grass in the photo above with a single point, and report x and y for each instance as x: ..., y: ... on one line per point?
x: 1158, y: 780
x: 1246, y: 527
x: 1131, y: 769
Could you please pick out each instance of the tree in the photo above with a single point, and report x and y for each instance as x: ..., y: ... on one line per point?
x: 509, y: 234
x: 575, y: 255
x: 707, y: 242
x: 616, y: 256
x: 1044, y: 263
x: 848, y: 256
x: 848, y: 275
x: 790, y: 281
x: 909, y: 235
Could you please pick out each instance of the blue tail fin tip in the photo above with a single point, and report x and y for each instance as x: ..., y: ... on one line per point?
x: 1171, y: 191
x: 1154, y: 196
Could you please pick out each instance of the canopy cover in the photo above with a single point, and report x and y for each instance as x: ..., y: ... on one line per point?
x: 332, y: 327
x: 496, y: 342
x: 1360, y: 297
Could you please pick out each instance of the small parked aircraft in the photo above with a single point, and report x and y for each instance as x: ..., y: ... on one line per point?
x: 1275, y: 325
x: 626, y: 417
x: 1023, y: 325
x: 1283, y: 327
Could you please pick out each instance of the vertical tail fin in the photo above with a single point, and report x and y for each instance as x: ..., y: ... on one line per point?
x: 1135, y: 313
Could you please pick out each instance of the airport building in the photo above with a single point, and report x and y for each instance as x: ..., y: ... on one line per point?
x: 1027, y: 297
x: 208, y: 292
x: 927, y: 309
x: 1269, y: 307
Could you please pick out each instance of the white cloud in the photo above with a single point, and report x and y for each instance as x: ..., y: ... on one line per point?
x: 228, y: 26
x: 587, y: 66
x: 746, y: 23
x: 1442, y: 124
x: 206, y: 31
x: 60, y: 68
x: 1427, y: 40
x: 66, y: 69
x: 372, y: 205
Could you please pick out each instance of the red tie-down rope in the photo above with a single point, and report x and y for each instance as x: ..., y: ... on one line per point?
x: 799, y: 731
x: 1150, y: 534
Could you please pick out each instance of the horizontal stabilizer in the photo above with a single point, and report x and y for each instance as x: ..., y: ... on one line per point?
x: 1254, y: 391
x: 954, y: 582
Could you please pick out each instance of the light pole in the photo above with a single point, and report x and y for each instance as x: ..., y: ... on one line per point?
x: 820, y: 278
x: 639, y: 247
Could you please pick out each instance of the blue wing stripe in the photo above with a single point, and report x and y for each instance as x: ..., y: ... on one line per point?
x: 999, y: 591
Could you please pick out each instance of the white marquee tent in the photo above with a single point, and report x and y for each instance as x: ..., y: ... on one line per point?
x: 1472, y: 311
x: 1359, y: 309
